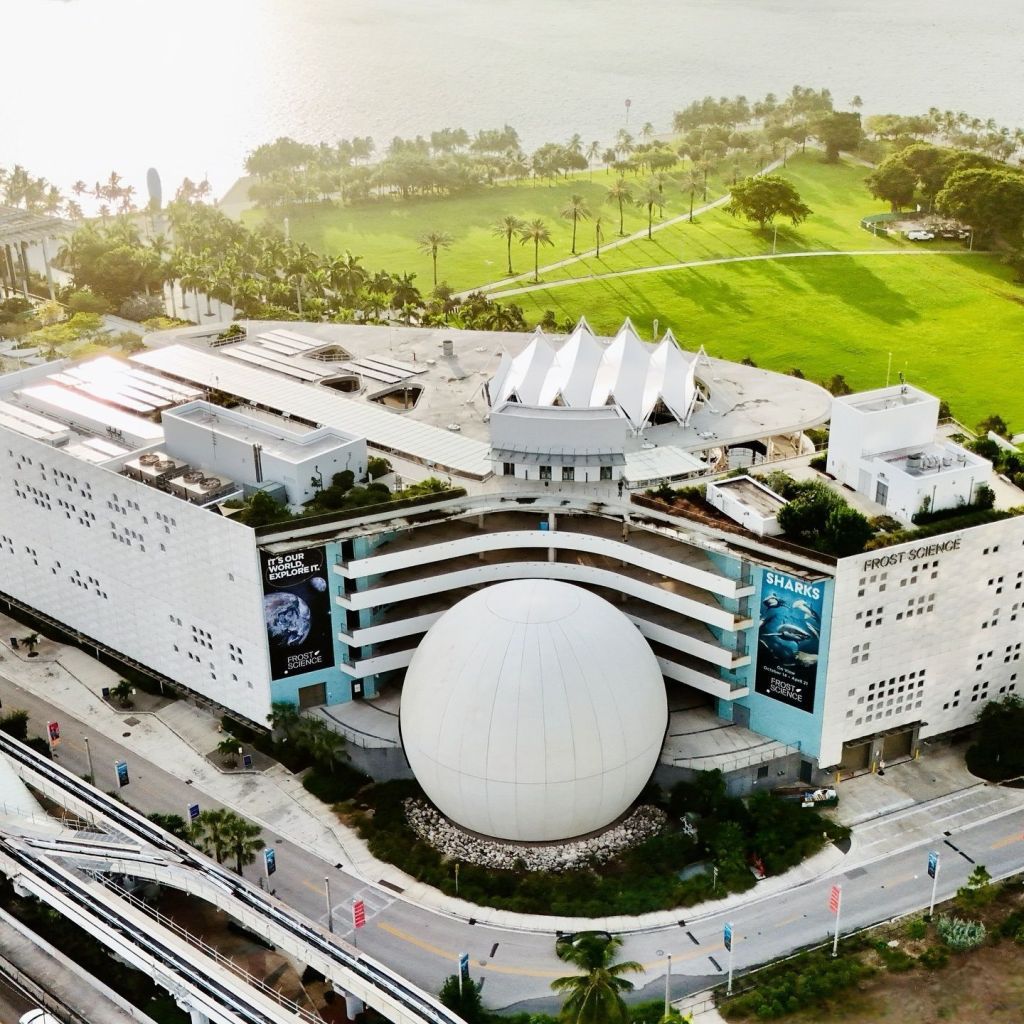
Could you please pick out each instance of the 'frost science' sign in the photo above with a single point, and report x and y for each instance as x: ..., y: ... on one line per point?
x: 297, y: 611
x: 788, y: 638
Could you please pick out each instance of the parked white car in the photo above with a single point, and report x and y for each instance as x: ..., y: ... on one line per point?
x: 919, y: 235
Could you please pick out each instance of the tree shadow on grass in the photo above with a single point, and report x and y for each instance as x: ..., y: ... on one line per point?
x: 708, y: 292
x: 847, y: 280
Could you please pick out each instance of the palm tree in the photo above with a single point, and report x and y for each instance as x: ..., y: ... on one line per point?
x: 592, y: 153
x: 691, y: 183
x: 243, y: 839
x: 347, y: 275
x: 209, y: 833
x: 431, y: 243
x: 506, y: 227
x: 595, y: 996
x: 576, y: 210
x: 620, y: 193
x: 647, y: 131
x: 537, y: 232
x: 598, y: 235
x: 227, y: 749
x: 405, y: 293
x: 651, y: 197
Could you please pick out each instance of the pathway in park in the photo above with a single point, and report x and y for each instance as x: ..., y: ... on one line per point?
x: 625, y: 239
x: 813, y: 253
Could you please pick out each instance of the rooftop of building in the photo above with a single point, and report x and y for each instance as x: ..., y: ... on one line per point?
x: 753, y: 494
x: 895, y: 396
x: 447, y: 370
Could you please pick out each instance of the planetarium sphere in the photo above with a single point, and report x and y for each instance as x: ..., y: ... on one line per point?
x: 533, y: 710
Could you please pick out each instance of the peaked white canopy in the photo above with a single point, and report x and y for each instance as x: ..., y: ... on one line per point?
x: 640, y: 380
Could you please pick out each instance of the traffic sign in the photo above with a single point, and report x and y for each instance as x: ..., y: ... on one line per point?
x: 933, y: 863
x: 358, y: 913
x: 834, y: 898
x: 121, y: 771
x: 727, y: 936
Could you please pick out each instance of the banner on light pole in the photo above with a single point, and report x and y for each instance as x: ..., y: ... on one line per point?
x: 727, y: 937
x: 933, y: 864
x: 192, y: 813
x: 269, y: 861
x: 121, y: 773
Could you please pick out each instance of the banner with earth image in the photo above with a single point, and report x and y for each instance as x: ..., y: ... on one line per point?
x: 297, y: 611
x: 788, y: 639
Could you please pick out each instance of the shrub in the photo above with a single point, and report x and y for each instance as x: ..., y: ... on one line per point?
x: 934, y: 958
x: 917, y: 929
x: 819, y: 462
x: 335, y: 786
x: 15, y: 724
x: 960, y: 934
x: 894, y: 958
x: 141, y: 307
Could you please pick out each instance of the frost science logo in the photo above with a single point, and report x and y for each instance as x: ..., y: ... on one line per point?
x: 297, y: 611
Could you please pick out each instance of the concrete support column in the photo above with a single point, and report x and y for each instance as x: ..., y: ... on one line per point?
x: 23, y: 252
x: 197, y: 1016
x: 49, y: 271
x: 11, y: 274
x: 353, y: 1006
x: 552, y: 525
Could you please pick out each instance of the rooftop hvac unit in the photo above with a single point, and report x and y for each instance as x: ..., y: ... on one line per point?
x: 163, y: 464
x: 208, y: 483
x: 149, y: 459
x: 193, y: 477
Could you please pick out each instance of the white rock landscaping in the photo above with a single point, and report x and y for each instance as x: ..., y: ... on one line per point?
x: 430, y: 826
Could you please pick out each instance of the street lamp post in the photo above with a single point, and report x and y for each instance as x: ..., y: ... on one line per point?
x: 668, y: 985
x: 327, y: 898
x: 88, y: 754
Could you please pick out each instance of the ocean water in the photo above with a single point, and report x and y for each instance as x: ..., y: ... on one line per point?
x: 190, y: 86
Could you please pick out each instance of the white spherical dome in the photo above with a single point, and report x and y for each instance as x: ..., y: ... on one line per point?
x: 533, y: 710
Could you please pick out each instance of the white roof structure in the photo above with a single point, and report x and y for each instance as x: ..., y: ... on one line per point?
x: 639, y: 379
x: 533, y: 711
x: 401, y: 435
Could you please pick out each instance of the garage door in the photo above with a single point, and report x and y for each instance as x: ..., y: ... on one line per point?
x: 312, y: 696
x: 898, y: 745
x: 856, y: 756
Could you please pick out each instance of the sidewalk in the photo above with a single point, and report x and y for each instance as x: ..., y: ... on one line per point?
x: 178, y: 736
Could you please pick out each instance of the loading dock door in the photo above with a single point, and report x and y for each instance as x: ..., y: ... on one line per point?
x: 312, y: 696
x: 898, y: 745
x: 856, y: 756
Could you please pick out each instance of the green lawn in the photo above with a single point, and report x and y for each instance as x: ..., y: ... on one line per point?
x: 385, y: 232
x: 952, y: 323
x: 835, y: 192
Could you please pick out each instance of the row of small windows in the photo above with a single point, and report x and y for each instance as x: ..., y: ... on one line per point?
x: 917, y: 607
x: 545, y: 472
x: 860, y: 652
x: 871, y: 617
x: 212, y: 668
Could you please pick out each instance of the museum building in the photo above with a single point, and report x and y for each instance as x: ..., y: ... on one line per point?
x: 775, y: 663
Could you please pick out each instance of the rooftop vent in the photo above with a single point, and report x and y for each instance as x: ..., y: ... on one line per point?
x: 149, y: 459
x: 193, y: 477
x: 208, y: 483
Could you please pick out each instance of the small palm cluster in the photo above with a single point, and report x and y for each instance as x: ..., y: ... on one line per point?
x: 595, y: 995
x: 222, y: 833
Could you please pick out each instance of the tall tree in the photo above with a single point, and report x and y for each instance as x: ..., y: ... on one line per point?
x: 537, y: 232
x: 508, y: 227
x: 692, y: 184
x: 621, y: 194
x: 575, y: 210
x: 243, y: 840
x: 651, y: 197
x: 594, y: 996
x: 764, y: 198
x: 431, y: 243
x: 592, y: 153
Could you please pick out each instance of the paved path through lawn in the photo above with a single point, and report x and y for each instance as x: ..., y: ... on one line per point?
x: 815, y: 253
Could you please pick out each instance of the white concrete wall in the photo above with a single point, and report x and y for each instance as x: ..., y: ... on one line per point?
x: 173, y: 586
x: 945, y: 489
x: 955, y: 615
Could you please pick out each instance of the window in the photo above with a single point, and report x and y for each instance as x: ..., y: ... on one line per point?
x: 545, y: 472
x: 762, y: 771
x: 568, y: 472
x: 508, y: 468
x: 606, y: 474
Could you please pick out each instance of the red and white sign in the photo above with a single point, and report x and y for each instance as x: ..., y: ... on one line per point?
x: 834, y: 898
x: 53, y: 733
x: 358, y: 913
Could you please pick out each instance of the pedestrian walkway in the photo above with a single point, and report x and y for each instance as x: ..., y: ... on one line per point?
x: 178, y: 736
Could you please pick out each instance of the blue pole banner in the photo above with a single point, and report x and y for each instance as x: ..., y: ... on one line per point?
x: 193, y: 812
x: 269, y: 861
x: 121, y: 771
x: 464, y: 966
x: 788, y: 637
x: 727, y: 937
x: 933, y: 863
x: 247, y: 760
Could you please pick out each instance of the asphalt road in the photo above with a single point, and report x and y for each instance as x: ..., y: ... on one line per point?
x: 517, y: 967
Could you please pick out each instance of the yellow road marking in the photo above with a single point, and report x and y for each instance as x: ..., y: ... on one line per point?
x: 1006, y: 840
x: 790, y: 920
x: 316, y: 888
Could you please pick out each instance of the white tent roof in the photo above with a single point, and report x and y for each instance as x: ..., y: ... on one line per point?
x: 583, y: 373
